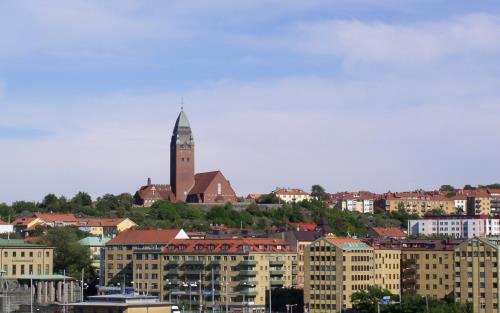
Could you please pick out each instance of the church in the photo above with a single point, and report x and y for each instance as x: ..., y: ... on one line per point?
x: 185, y: 184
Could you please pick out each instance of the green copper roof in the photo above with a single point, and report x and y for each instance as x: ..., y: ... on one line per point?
x: 16, y: 243
x: 356, y: 246
x: 45, y: 277
x: 182, y: 120
x: 94, y: 241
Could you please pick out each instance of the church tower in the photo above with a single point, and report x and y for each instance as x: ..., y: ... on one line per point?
x: 182, y: 158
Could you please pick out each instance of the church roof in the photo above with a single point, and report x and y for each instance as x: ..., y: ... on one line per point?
x: 202, y: 181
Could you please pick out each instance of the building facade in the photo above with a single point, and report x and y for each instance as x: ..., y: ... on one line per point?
x: 232, y: 273
x: 419, y: 202
x: 476, y: 274
x: 118, y: 255
x: 334, y: 269
x: 18, y: 258
x: 457, y: 226
x: 289, y: 195
x: 427, y: 267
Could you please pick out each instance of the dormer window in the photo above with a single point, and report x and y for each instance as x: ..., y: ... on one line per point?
x: 225, y: 247
x: 199, y: 247
x: 211, y: 247
x: 182, y: 247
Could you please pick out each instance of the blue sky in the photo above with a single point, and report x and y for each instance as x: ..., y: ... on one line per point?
x: 354, y: 95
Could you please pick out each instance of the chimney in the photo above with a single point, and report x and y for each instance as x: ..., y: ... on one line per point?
x: 149, y: 181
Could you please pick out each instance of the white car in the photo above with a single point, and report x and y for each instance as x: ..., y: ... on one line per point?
x: 175, y: 309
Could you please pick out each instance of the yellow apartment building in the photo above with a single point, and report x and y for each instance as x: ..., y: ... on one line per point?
x: 18, y: 258
x: 427, y: 267
x: 476, y: 274
x: 216, y: 273
x: 118, y: 253
x: 335, y: 268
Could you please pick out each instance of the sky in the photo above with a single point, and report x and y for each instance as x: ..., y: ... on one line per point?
x: 372, y: 95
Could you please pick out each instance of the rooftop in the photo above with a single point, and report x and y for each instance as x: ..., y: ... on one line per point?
x: 121, y: 300
x: 146, y: 236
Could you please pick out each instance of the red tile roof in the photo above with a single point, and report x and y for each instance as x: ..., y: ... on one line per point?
x: 389, y: 232
x: 304, y: 226
x: 53, y: 217
x: 147, y: 236
x: 234, y: 245
x: 24, y: 221
x: 202, y: 181
x: 156, y: 192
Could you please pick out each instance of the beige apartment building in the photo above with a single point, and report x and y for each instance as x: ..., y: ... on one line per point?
x: 476, y: 274
x: 335, y: 268
x: 119, y: 252
x: 427, y: 267
x: 419, y: 203
x: 220, y: 273
x: 18, y: 258
x: 387, y: 266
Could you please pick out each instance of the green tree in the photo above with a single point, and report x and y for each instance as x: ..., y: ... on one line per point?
x: 268, y: 199
x: 366, y: 301
x: 319, y: 193
x: 447, y: 188
x: 20, y: 206
x: 6, y: 212
x: 435, y: 212
x: 69, y: 255
x: 82, y: 199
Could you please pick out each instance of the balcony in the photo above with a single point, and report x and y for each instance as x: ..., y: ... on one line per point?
x: 194, y: 262
x: 247, y: 282
x: 173, y: 271
x: 193, y: 271
x: 249, y: 292
x: 277, y: 272
x: 277, y: 262
x: 248, y: 262
x: 173, y: 261
x: 248, y: 273
x: 277, y: 282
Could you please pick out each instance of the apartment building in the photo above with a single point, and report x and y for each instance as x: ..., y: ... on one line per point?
x: 105, y: 226
x: 289, y: 195
x: 19, y: 258
x: 119, y: 252
x: 335, y: 268
x: 419, y: 202
x: 476, y: 274
x: 387, y: 264
x: 478, y: 202
x: 216, y: 273
x: 299, y: 241
x: 427, y: 267
x: 494, y: 200
x: 457, y: 226
x: 362, y: 201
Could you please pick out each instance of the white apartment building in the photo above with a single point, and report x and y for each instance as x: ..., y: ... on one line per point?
x: 457, y: 226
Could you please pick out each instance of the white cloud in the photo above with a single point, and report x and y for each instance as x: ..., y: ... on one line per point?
x: 356, y: 40
x: 293, y: 132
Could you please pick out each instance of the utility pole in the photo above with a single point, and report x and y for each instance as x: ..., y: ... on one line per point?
x: 213, y: 290
x: 227, y: 300
x: 270, y: 298
x: 31, y: 292
x: 201, y: 301
x: 81, y: 289
x: 64, y: 290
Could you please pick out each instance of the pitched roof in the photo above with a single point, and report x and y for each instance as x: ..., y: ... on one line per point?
x: 293, y: 191
x: 101, y: 222
x: 54, y: 217
x: 145, y: 236
x: 347, y: 243
x: 308, y: 236
x: 304, y: 226
x: 2, y: 222
x: 232, y: 245
x: 25, y: 221
x: 182, y: 120
x: 156, y: 192
x: 202, y: 181
x: 388, y: 231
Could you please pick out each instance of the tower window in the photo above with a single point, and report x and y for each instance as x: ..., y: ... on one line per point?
x: 219, y: 189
